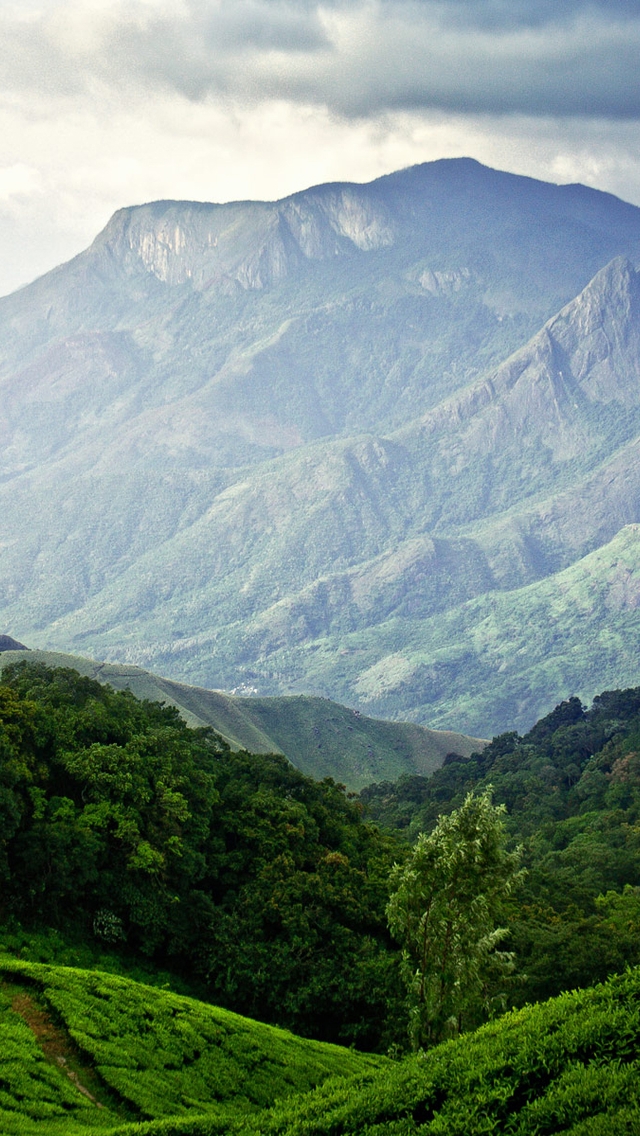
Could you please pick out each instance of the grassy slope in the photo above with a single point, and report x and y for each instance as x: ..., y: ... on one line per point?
x: 146, y: 1052
x: 320, y: 737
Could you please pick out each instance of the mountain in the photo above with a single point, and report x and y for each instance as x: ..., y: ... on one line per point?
x: 240, y: 442
x: 9, y: 644
x: 497, y: 659
x: 320, y: 737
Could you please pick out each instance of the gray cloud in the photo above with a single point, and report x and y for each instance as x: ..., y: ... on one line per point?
x: 505, y: 15
x: 356, y: 57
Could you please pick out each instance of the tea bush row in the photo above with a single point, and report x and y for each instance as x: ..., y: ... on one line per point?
x: 164, y: 1054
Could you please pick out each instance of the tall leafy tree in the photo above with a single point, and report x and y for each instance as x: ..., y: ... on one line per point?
x: 444, y: 909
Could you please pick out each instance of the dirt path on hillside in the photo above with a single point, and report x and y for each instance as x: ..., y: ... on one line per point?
x: 54, y: 1043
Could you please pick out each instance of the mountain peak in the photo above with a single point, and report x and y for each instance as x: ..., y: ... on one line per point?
x: 246, y: 245
x: 9, y: 644
x: 598, y: 334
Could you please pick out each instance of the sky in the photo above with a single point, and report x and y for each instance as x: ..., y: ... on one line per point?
x: 105, y: 103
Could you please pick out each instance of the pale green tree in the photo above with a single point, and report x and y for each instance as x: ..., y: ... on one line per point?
x: 446, y: 903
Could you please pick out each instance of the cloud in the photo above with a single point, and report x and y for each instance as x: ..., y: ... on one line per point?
x: 16, y: 182
x: 355, y: 57
x: 105, y: 103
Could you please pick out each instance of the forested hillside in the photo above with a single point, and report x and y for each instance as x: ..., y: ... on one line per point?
x: 134, y: 846
x: 571, y: 787
x: 320, y: 737
x: 133, y: 836
x: 122, y: 825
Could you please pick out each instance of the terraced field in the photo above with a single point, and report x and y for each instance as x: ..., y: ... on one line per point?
x: 83, y: 1051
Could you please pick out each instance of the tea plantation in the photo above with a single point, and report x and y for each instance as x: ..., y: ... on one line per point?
x: 80, y: 1049
x: 150, y: 876
x: 147, y: 1062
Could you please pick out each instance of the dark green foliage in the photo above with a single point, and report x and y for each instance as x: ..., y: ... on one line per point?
x: 572, y: 790
x: 139, y: 837
x: 121, y: 824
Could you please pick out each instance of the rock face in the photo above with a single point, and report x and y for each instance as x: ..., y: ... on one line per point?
x: 235, y: 437
x: 250, y: 244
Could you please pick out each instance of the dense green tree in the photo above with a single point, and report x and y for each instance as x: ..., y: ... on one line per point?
x: 445, y: 904
x: 120, y: 824
x: 571, y: 787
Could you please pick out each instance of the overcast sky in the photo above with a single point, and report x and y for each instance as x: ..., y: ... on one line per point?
x: 105, y: 103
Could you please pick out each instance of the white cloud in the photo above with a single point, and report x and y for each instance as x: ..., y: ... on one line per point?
x: 18, y: 181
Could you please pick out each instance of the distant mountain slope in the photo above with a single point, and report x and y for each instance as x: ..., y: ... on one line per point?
x: 333, y: 568
x: 504, y: 657
x: 320, y: 737
x: 9, y: 644
x: 231, y: 432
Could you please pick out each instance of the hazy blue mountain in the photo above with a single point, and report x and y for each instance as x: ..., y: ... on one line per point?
x: 235, y: 437
x: 9, y: 644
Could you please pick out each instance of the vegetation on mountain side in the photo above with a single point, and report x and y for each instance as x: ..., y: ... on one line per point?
x: 139, y: 1053
x: 320, y: 737
x: 567, y: 1066
x: 131, y: 840
x: 261, y: 463
x: 121, y: 824
x: 497, y: 662
x: 143, y: 1062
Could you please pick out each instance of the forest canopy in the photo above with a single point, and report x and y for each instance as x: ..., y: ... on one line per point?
x: 122, y: 825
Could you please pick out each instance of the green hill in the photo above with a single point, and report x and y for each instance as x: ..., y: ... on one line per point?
x: 87, y: 1052
x: 569, y: 1065
x: 82, y: 1051
x: 320, y: 737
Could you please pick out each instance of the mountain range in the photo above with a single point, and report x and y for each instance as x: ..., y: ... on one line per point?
x: 378, y: 443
